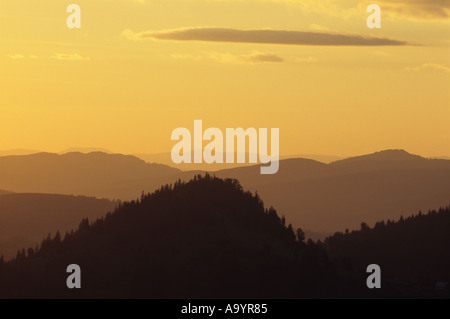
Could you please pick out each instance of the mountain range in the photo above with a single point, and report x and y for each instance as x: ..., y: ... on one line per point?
x: 208, y: 238
x: 320, y: 197
x: 26, y: 219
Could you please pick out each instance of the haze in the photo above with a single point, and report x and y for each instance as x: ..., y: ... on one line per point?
x: 126, y: 79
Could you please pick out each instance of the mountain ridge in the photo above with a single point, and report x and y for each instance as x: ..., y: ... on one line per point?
x: 321, y: 197
x: 25, y: 219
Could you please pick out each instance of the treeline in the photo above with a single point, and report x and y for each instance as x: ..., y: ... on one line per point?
x: 204, y: 238
x: 413, y: 250
x: 208, y: 238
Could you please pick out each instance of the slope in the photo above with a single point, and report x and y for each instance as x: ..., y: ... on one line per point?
x: 27, y: 218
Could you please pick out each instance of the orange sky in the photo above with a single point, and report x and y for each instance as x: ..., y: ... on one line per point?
x: 114, y: 84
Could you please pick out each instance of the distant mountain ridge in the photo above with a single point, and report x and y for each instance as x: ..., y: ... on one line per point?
x: 113, y: 176
x: 25, y: 219
x: 339, y: 195
x: 324, y: 198
x: 165, y: 158
x: 85, y: 150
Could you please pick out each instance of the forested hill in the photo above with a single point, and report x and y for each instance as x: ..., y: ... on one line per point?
x: 412, y: 251
x: 208, y: 238
x: 204, y: 238
x: 2, y: 192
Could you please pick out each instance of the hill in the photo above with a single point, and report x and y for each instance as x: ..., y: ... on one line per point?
x: 113, y: 176
x: 17, y: 152
x: 85, y: 150
x: 209, y: 239
x: 165, y: 158
x: 319, y: 197
x: 331, y: 197
x: 27, y: 218
x: 205, y: 238
x: 412, y: 251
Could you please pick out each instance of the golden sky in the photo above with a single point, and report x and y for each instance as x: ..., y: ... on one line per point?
x: 138, y: 69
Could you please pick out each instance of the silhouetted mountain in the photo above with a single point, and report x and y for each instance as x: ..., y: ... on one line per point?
x: 319, y: 197
x: 386, y: 155
x: 95, y: 174
x: 85, y: 150
x: 207, y: 238
x: 2, y: 192
x: 165, y: 158
x: 27, y: 218
x: 340, y: 195
x: 389, y: 159
x: 412, y: 251
x: 17, y: 152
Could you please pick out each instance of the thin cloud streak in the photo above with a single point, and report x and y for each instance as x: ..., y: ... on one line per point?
x: 267, y: 36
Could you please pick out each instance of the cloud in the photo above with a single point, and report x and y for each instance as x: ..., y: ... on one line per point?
x: 423, y: 9
x: 15, y: 56
x: 382, y: 53
x: 306, y: 60
x: 186, y: 56
x: 264, y: 36
x: 320, y: 28
x: 435, y: 66
x: 69, y: 56
x: 255, y: 57
x: 429, y: 9
x: 261, y: 57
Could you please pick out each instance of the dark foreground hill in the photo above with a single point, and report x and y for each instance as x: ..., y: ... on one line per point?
x: 2, y: 192
x: 205, y: 238
x: 411, y: 251
x: 27, y: 218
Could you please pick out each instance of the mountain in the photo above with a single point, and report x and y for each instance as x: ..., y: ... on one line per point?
x: 322, y: 198
x: 208, y: 238
x: 113, y: 176
x: 331, y: 197
x: 165, y: 158
x: 85, y: 150
x: 27, y: 218
x: 413, y: 250
x: 316, y: 157
x: 205, y: 238
x: 17, y: 152
x: 2, y: 192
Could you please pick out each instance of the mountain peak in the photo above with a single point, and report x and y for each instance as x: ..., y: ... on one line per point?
x: 391, y: 155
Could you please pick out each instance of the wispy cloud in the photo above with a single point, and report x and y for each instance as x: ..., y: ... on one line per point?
x: 264, y: 36
x: 56, y: 56
x: 423, y: 9
x: 15, y: 56
x: 69, y: 56
x: 306, y: 60
x: 435, y: 66
x: 187, y: 56
x: 429, y: 9
x: 255, y: 57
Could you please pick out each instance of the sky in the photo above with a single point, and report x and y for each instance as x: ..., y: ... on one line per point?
x: 138, y: 69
